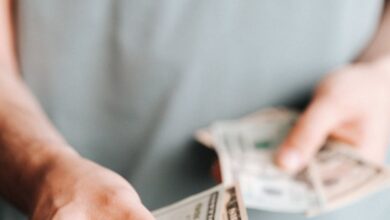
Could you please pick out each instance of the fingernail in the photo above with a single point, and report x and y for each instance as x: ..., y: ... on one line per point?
x: 291, y: 160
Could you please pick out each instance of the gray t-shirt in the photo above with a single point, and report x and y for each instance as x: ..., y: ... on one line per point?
x: 127, y: 82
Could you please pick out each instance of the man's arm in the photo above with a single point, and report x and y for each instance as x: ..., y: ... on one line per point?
x: 7, y: 51
x: 28, y: 142
x: 380, y: 46
x: 39, y: 173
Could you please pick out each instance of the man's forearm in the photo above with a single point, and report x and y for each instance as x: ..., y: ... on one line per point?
x: 379, y: 48
x: 29, y: 145
x: 7, y: 50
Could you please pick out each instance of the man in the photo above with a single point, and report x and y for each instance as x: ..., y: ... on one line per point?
x: 127, y: 82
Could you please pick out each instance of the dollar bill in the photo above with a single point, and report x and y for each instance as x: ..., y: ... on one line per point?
x: 343, y: 177
x: 233, y: 208
x: 218, y: 203
x: 335, y: 177
x: 246, y: 155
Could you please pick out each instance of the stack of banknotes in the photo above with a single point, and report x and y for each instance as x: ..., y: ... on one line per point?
x: 218, y: 203
x: 335, y: 177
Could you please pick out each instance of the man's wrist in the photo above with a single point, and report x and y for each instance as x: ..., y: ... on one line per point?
x: 48, y: 159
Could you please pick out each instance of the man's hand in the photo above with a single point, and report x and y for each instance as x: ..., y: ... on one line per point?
x: 78, y: 189
x: 353, y: 105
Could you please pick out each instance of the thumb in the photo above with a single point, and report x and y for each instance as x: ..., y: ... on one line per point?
x: 308, y: 135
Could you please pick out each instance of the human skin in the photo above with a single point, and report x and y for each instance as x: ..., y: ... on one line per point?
x: 352, y: 104
x: 39, y: 172
x: 44, y: 177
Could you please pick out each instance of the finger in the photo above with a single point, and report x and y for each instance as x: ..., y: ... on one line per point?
x: 140, y: 213
x: 70, y: 212
x: 308, y: 135
x: 124, y: 206
x: 349, y: 133
x: 373, y: 142
x: 137, y: 211
x: 73, y: 215
x: 368, y: 136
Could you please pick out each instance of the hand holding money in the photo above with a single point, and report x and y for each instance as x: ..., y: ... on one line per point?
x: 351, y: 104
x: 336, y: 176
